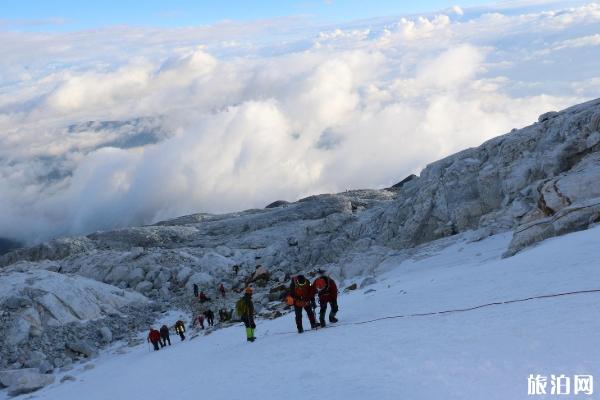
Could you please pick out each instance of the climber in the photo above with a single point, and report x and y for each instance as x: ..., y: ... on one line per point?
x: 302, y: 296
x: 210, y: 317
x: 327, y: 291
x: 202, y: 297
x: 180, y: 329
x: 245, y: 309
x: 222, y: 290
x: 195, y: 290
x: 154, y: 338
x: 199, y: 320
x: 164, y: 335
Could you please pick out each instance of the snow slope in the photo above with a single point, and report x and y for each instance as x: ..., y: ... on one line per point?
x: 486, y: 353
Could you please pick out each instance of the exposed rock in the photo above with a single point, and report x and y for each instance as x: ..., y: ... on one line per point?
x: 106, y: 334
x: 202, y: 279
x: 83, y: 347
x: 144, y: 287
x: 34, y: 359
x: 354, y: 286
x: 45, y: 367
x: 404, y: 181
x: 136, y: 276
x: 261, y: 273
x: 52, y: 301
x: 183, y: 275
x: 546, y: 116
x: 67, y: 378
x: 279, y: 288
x: 278, y: 203
x: 117, y: 274
x: 23, y: 381
x: 54, y: 250
x: 16, y: 302
x: 569, y: 219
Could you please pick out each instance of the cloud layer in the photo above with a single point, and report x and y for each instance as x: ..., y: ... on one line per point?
x: 129, y: 126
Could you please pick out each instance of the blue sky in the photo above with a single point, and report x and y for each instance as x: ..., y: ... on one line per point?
x: 74, y: 14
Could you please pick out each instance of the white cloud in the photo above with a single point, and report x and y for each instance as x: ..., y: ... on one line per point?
x: 237, y: 115
x: 583, y: 41
x: 457, y: 10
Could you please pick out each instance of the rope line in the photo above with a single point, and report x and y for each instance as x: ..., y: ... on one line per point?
x: 457, y: 310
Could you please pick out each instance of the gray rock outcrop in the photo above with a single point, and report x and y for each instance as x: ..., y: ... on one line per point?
x: 23, y: 381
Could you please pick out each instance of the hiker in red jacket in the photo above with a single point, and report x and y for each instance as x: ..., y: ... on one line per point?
x: 154, y: 338
x: 302, y: 296
x: 327, y: 291
x: 203, y: 298
x: 222, y: 290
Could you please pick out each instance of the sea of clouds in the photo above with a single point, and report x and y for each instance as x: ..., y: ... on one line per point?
x: 128, y: 125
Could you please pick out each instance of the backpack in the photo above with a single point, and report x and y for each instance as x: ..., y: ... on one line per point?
x: 241, y: 307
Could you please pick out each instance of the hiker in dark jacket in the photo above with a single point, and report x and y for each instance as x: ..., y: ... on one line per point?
x: 195, y: 290
x: 302, y: 296
x: 245, y: 309
x: 164, y: 335
x: 180, y: 329
x: 154, y: 338
x: 327, y: 292
x: 210, y: 317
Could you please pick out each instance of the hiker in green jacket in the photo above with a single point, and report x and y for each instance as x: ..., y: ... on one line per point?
x: 245, y: 309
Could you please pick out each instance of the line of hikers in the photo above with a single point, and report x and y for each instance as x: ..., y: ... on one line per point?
x: 301, y: 296
x: 162, y: 337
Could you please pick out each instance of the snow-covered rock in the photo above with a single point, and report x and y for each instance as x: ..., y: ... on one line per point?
x: 84, y: 347
x: 23, y: 381
x: 41, y: 301
x: 184, y: 274
x: 106, y: 334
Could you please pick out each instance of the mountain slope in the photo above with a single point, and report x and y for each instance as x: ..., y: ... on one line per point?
x: 486, y: 353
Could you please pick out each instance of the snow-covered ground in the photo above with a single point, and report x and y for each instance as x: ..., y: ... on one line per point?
x: 486, y: 353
